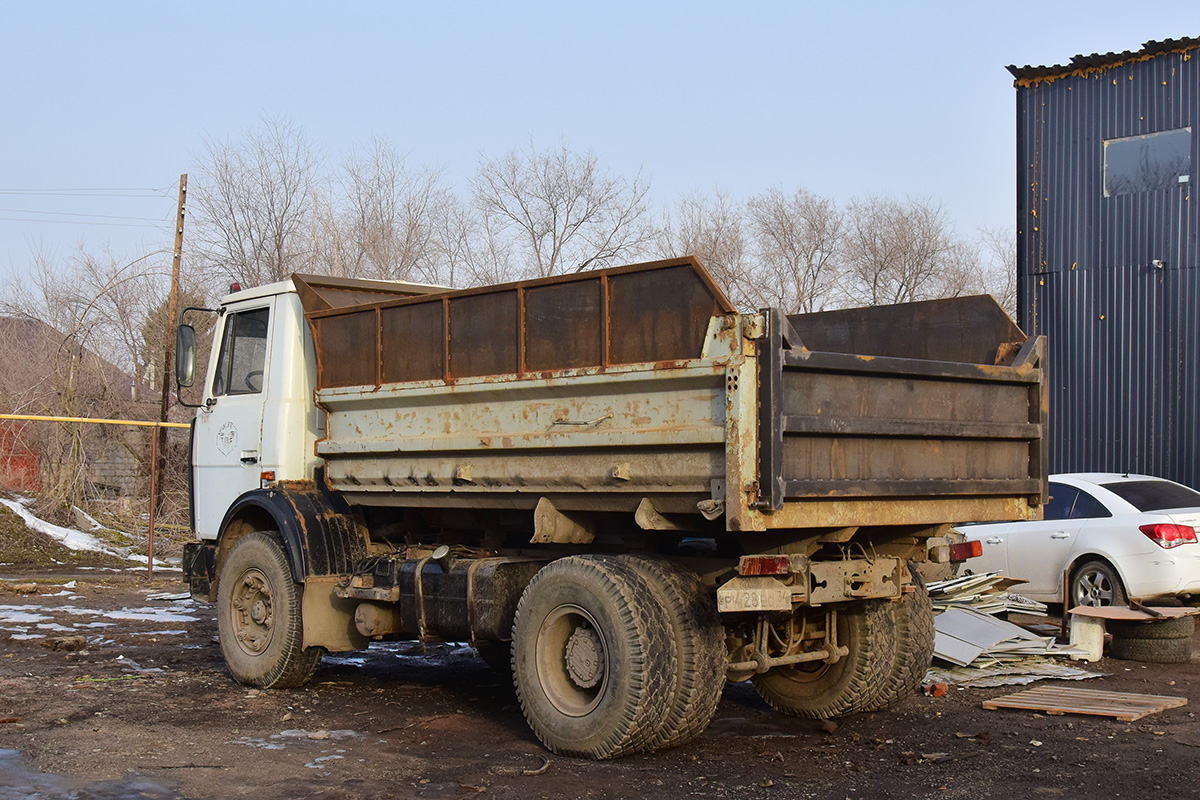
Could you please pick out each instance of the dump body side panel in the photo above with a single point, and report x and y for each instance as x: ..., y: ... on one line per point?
x: 589, y: 440
x: 598, y: 391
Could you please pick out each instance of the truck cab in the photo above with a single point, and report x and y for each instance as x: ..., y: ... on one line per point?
x: 257, y: 424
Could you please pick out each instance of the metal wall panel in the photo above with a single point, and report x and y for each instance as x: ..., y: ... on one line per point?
x: 1124, y: 340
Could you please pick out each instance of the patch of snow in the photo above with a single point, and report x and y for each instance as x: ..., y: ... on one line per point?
x: 68, y: 537
x: 170, y: 596
x: 149, y: 615
x: 263, y: 743
x: 77, y: 540
x: 22, y: 614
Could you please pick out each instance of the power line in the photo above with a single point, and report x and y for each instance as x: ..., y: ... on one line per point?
x: 75, y: 214
x: 161, y: 226
x: 141, y: 193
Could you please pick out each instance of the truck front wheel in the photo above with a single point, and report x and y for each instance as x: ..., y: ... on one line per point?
x: 258, y: 616
x: 822, y: 689
x: 592, y: 658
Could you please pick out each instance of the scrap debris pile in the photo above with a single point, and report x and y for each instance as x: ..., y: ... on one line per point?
x: 985, y: 650
x: 986, y: 593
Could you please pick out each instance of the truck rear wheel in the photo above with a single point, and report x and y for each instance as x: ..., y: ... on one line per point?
x: 258, y: 616
x: 820, y: 689
x: 914, y: 647
x: 592, y: 658
x: 698, y: 639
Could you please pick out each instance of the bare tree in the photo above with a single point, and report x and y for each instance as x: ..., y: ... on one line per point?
x: 901, y: 251
x: 390, y: 214
x: 798, y: 242
x: 74, y: 329
x: 1000, y: 266
x: 709, y: 227
x: 254, y: 204
x: 558, y: 211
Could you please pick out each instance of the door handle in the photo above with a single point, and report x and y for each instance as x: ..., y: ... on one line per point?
x: 249, y: 456
x: 995, y: 540
x: 1060, y: 535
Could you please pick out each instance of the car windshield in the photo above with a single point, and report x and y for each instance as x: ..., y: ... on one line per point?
x: 1154, y: 495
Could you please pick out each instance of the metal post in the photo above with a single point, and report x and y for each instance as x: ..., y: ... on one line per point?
x: 153, y: 493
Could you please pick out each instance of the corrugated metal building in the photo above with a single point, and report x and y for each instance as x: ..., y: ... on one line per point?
x: 1107, y: 254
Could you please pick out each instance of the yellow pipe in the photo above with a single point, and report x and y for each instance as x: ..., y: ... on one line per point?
x: 136, y: 422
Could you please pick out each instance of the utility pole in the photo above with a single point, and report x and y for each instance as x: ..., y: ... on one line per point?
x: 169, y: 351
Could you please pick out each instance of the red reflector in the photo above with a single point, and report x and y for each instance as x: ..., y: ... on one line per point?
x: 268, y: 475
x: 1168, y: 534
x: 765, y: 565
x: 964, y: 550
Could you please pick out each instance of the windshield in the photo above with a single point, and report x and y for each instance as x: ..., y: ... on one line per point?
x: 1154, y: 495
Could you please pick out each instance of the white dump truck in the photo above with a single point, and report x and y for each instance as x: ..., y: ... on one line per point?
x: 611, y: 483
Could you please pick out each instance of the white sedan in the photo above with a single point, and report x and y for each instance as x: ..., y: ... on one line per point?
x: 1116, y: 537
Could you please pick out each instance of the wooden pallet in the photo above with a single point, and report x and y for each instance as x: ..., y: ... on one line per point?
x: 1055, y: 700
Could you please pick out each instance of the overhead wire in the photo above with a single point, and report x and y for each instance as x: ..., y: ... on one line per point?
x: 76, y: 214
x: 162, y: 226
x: 37, y: 216
x: 146, y: 192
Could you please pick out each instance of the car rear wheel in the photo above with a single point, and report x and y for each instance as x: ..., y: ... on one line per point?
x: 1096, y: 583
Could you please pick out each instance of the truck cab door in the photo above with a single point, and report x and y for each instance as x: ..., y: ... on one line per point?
x: 228, y: 438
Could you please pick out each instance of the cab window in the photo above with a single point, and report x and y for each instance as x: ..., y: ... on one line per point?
x: 243, y: 353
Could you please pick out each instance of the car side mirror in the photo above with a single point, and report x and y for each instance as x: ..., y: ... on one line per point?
x: 185, y: 356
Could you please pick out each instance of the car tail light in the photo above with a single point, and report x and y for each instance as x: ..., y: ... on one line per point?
x: 964, y: 550
x: 1168, y: 534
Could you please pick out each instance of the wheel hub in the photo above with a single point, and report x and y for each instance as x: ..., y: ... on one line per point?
x: 584, y: 658
x: 571, y: 654
x: 1094, y: 590
x: 251, y: 612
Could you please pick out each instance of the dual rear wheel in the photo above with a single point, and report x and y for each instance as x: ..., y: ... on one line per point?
x: 616, y: 655
x: 891, y: 647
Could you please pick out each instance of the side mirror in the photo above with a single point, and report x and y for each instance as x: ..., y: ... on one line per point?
x: 185, y: 356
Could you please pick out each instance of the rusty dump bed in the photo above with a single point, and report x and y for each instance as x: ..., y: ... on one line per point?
x: 640, y: 390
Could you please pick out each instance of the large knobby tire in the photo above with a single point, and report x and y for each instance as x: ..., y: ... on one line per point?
x: 1096, y: 583
x: 914, y: 647
x: 698, y: 640
x: 592, y: 658
x: 820, y: 690
x: 1171, y: 628
x: 1157, y: 651
x: 259, y: 619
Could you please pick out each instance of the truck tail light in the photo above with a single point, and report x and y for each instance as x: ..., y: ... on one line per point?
x: 1168, y: 534
x: 964, y: 550
x: 765, y: 565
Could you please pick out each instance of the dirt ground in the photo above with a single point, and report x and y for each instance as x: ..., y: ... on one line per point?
x: 134, y: 702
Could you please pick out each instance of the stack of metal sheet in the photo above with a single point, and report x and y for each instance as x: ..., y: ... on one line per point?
x: 986, y: 593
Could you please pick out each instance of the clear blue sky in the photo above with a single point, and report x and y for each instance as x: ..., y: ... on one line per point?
x: 843, y: 99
